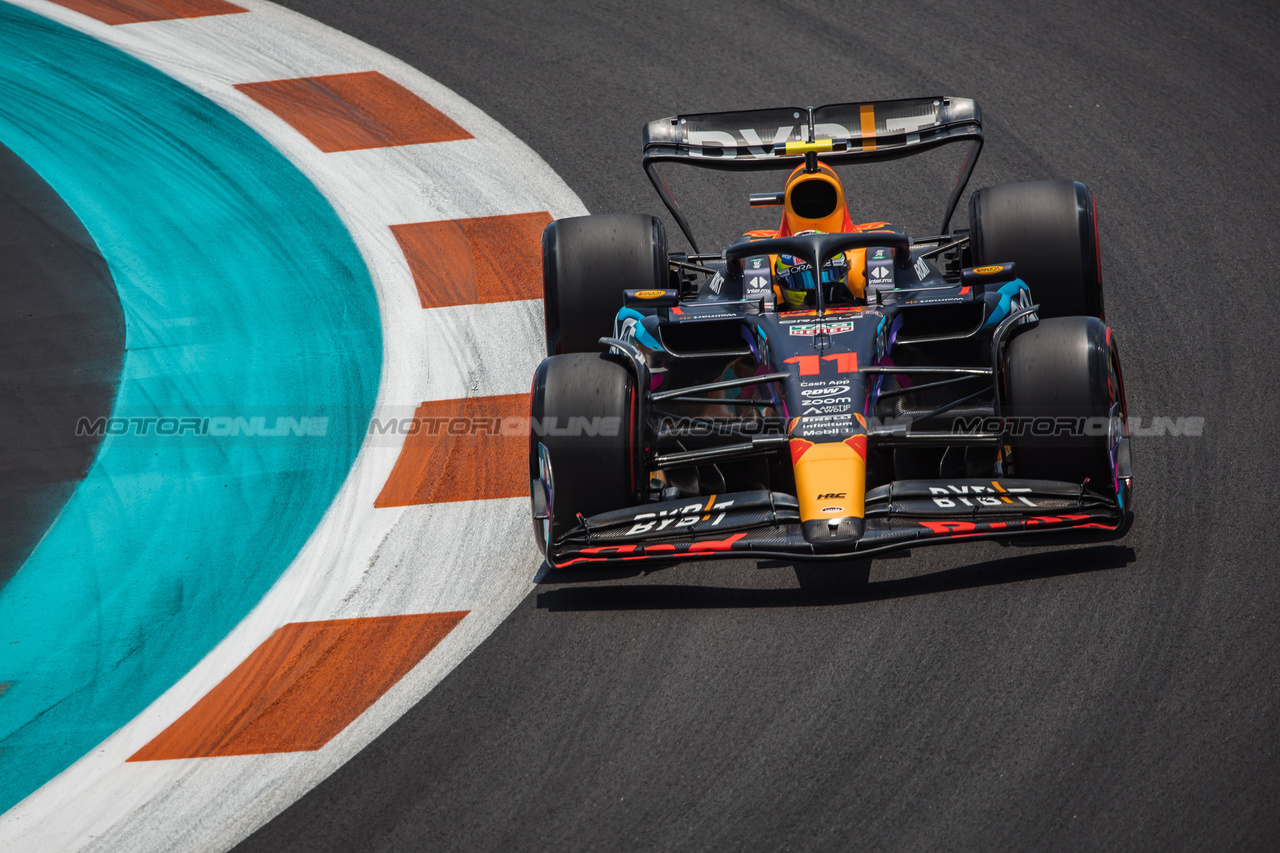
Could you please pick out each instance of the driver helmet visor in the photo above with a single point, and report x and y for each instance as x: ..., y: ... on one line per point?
x: 797, y: 280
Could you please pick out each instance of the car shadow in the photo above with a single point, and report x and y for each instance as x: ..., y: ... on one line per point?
x: 819, y: 584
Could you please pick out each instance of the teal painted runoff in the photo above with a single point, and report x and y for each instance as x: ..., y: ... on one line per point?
x: 244, y: 297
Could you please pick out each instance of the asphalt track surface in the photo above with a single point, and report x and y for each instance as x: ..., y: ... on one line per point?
x: 971, y: 697
x: 61, y: 346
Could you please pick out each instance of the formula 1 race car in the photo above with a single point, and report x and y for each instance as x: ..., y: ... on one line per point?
x: 828, y: 390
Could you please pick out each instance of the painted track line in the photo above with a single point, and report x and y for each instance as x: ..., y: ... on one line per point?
x: 362, y: 561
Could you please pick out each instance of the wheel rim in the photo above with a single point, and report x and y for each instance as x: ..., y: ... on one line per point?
x: 543, y: 497
x: 1118, y: 437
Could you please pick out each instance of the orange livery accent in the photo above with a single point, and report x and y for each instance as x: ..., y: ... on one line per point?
x: 834, y: 219
x: 867, y: 113
x: 830, y: 467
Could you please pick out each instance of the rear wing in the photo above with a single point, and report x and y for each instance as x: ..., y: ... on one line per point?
x: 784, y: 138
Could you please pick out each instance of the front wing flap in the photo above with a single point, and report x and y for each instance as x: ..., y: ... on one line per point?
x: 902, y: 514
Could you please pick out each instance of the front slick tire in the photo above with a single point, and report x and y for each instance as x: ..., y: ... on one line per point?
x: 581, y: 442
x: 1065, y: 397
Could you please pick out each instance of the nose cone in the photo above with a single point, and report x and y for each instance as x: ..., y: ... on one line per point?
x: 834, y: 533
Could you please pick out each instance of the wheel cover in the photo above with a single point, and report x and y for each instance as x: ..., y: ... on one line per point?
x: 1118, y: 437
x: 542, y: 495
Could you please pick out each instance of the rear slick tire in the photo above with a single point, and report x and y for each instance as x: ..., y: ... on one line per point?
x: 587, y: 264
x: 1049, y: 229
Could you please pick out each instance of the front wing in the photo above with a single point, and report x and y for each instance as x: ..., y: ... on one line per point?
x: 902, y: 514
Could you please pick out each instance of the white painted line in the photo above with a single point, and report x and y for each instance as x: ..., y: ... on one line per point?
x: 360, y: 561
